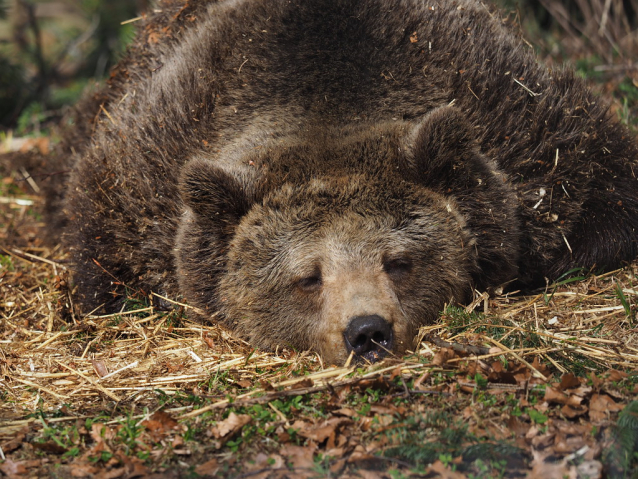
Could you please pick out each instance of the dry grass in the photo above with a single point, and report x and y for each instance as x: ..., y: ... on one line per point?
x: 51, y: 357
x: 601, y: 27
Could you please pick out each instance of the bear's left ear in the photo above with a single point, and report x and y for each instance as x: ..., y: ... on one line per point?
x: 214, y: 194
x: 443, y: 155
x: 442, y: 151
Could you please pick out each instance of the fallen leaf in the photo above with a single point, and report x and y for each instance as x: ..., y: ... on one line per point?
x: 539, y: 463
x: 210, y: 342
x: 11, y: 468
x: 365, y: 474
x: 16, y: 442
x: 571, y: 412
x: 569, y: 381
x: 590, y: 469
x: 442, y: 356
x: 304, y: 383
x: 177, y: 441
x: 575, y: 401
x: 532, y: 432
x: 363, y: 458
x: 114, y: 473
x: 100, y: 432
x: 276, y: 461
x: 616, y: 376
x: 542, y: 441
x: 327, y: 430
x: 83, y: 469
x: 381, y: 383
x: 445, y: 472
x: 134, y: 467
x: 209, y: 468
x: 262, y: 465
x: 159, y: 425
x: 300, y: 425
x: 541, y: 368
x: 582, y: 391
x: 97, y: 449
x: 567, y: 445
x: 266, y: 386
x: 387, y: 409
x: 365, y: 423
x: 517, y: 427
x: 231, y: 425
x: 345, y: 412
x: 552, y: 471
x: 600, y: 405
x: 555, y: 396
x: 421, y: 379
x: 299, y: 457
x: 337, y: 467
x: 244, y: 383
x: 100, y: 368
x: 50, y: 447
x: 595, y: 381
x: 500, y: 375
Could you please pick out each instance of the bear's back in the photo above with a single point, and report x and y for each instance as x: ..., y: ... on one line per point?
x: 295, y: 64
x: 214, y: 81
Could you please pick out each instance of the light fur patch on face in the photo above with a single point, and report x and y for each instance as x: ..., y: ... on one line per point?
x: 354, y: 285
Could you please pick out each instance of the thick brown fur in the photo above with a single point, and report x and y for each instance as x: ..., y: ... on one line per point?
x: 293, y: 165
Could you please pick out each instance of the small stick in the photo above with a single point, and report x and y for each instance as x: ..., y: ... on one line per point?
x: 26, y: 256
x: 459, y: 348
x: 29, y: 179
x: 526, y: 89
x: 41, y: 388
x: 113, y: 396
x: 131, y: 20
x: 134, y: 364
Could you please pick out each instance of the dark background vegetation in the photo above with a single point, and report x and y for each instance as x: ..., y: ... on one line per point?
x: 50, y: 50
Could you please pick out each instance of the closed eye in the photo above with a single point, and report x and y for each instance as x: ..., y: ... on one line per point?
x: 310, y: 283
x: 397, y: 267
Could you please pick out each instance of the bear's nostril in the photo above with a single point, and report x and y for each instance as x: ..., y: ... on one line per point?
x: 360, y: 342
x: 370, y: 337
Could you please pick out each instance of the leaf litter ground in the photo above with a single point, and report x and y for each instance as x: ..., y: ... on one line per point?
x: 539, y: 385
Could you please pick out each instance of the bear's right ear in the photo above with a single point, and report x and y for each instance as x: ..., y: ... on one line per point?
x: 214, y: 194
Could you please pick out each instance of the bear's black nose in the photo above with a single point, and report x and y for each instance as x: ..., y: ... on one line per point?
x: 370, y: 337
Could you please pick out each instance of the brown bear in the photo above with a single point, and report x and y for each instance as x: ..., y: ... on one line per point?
x: 329, y: 174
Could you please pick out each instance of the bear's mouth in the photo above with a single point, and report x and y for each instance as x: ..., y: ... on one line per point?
x: 370, y: 337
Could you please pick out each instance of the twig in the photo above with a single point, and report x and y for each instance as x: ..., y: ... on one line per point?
x: 113, y: 396
x: 27, y: 256
x: 41, y: 388
x: 526, y: 89
x: 131, y: 20
x: 459, y: 348
x: 29, y: 179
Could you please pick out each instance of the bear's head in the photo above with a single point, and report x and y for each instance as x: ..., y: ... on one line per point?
x: 349, y: 243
